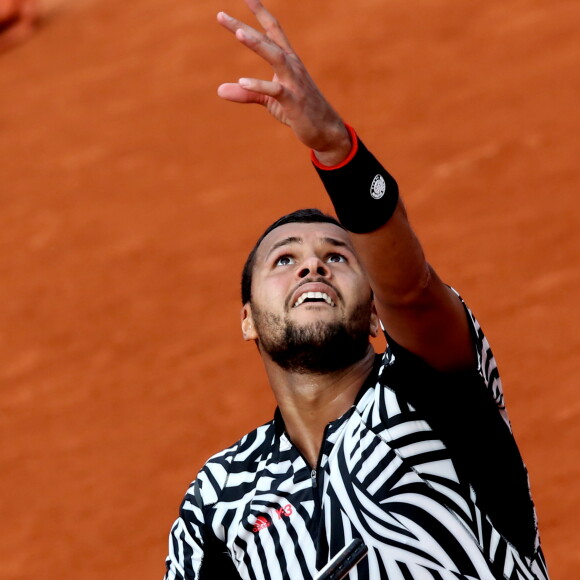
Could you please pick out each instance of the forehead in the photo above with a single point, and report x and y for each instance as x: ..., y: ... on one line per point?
x: 317, y: 233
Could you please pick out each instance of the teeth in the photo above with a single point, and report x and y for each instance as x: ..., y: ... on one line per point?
x: 315, y: 296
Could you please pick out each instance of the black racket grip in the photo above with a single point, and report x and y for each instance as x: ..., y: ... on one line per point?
x: 344, y: 561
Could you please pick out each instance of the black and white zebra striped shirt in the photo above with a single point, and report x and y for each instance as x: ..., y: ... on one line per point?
x: 423, y: 468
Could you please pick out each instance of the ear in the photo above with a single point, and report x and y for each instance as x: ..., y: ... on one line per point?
x: 375, y: 322
x: 248, y: 326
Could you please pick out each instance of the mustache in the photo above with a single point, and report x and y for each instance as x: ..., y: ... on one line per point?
x: 318, y: 280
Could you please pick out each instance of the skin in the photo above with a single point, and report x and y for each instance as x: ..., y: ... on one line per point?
x: 291, y: 260
x: 417, y: 309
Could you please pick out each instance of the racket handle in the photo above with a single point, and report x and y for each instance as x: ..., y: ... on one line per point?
x: 343, y: 562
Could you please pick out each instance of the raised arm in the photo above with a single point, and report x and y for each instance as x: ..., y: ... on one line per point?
x: 418, y: 311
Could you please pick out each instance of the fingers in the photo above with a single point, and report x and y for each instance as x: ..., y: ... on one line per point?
x: 268, y: 88
x: 229, y: 22
x: 250, y: 91
x: 272, y: 43
x: 235, y: 93
x: 270, y: 24
x: 291, y: 97
x: 263, y: 47
x: 259, y: 43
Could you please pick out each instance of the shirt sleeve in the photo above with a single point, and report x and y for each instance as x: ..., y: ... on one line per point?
x: 486, y: 363
x: 186, y: 545
x: 466, y: 409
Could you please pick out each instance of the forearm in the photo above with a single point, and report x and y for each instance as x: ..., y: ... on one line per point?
x: 366, y: 200
x: 395, y: 262
x: 418, y: 310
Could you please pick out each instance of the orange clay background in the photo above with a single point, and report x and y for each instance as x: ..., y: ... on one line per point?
x: 130, y: 195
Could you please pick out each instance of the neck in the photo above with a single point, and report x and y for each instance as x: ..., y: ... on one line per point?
x: 308, y: 402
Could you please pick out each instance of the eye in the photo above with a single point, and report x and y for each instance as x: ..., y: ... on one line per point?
x: 336, y: 258
x: 284, y: 260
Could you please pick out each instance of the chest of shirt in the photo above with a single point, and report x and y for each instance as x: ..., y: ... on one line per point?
x: 300, y: 516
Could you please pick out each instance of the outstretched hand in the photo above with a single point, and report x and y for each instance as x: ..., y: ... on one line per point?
x: 291, y: 96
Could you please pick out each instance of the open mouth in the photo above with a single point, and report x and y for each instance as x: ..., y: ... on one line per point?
x: 314, y: 297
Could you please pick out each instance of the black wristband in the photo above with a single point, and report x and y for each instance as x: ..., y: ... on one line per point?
x: 363, y: 192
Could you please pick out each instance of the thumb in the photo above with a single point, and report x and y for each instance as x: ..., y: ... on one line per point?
x: 237, y: 94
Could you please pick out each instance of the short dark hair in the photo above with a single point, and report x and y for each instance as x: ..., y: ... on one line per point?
x: 305, y: 216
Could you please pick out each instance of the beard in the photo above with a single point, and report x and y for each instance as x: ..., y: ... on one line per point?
x: 317, y: 347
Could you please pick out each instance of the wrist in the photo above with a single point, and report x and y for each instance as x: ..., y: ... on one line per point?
x: 362, y: 191
x: 340, y: 148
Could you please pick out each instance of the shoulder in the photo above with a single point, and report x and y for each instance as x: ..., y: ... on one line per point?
x: 231, y: 466
x: 486, y: 363
x: 411, y: 369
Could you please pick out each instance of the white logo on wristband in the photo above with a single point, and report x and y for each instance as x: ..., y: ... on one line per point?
x: 378, y: 187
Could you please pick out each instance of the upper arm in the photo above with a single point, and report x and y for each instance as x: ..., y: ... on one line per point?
x: 434, y: 326
x: 418, y: 310
x: 195, y: 551
x: 186, y: 545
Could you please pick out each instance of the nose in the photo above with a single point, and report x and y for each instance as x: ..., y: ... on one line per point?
x: 313, y: 265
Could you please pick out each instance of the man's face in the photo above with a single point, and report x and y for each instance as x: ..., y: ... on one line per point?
x: 311, y: 308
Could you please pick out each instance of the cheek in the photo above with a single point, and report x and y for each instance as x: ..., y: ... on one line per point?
x: 361, y: 298
x: 270, y: 293
x: 357, y: 286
